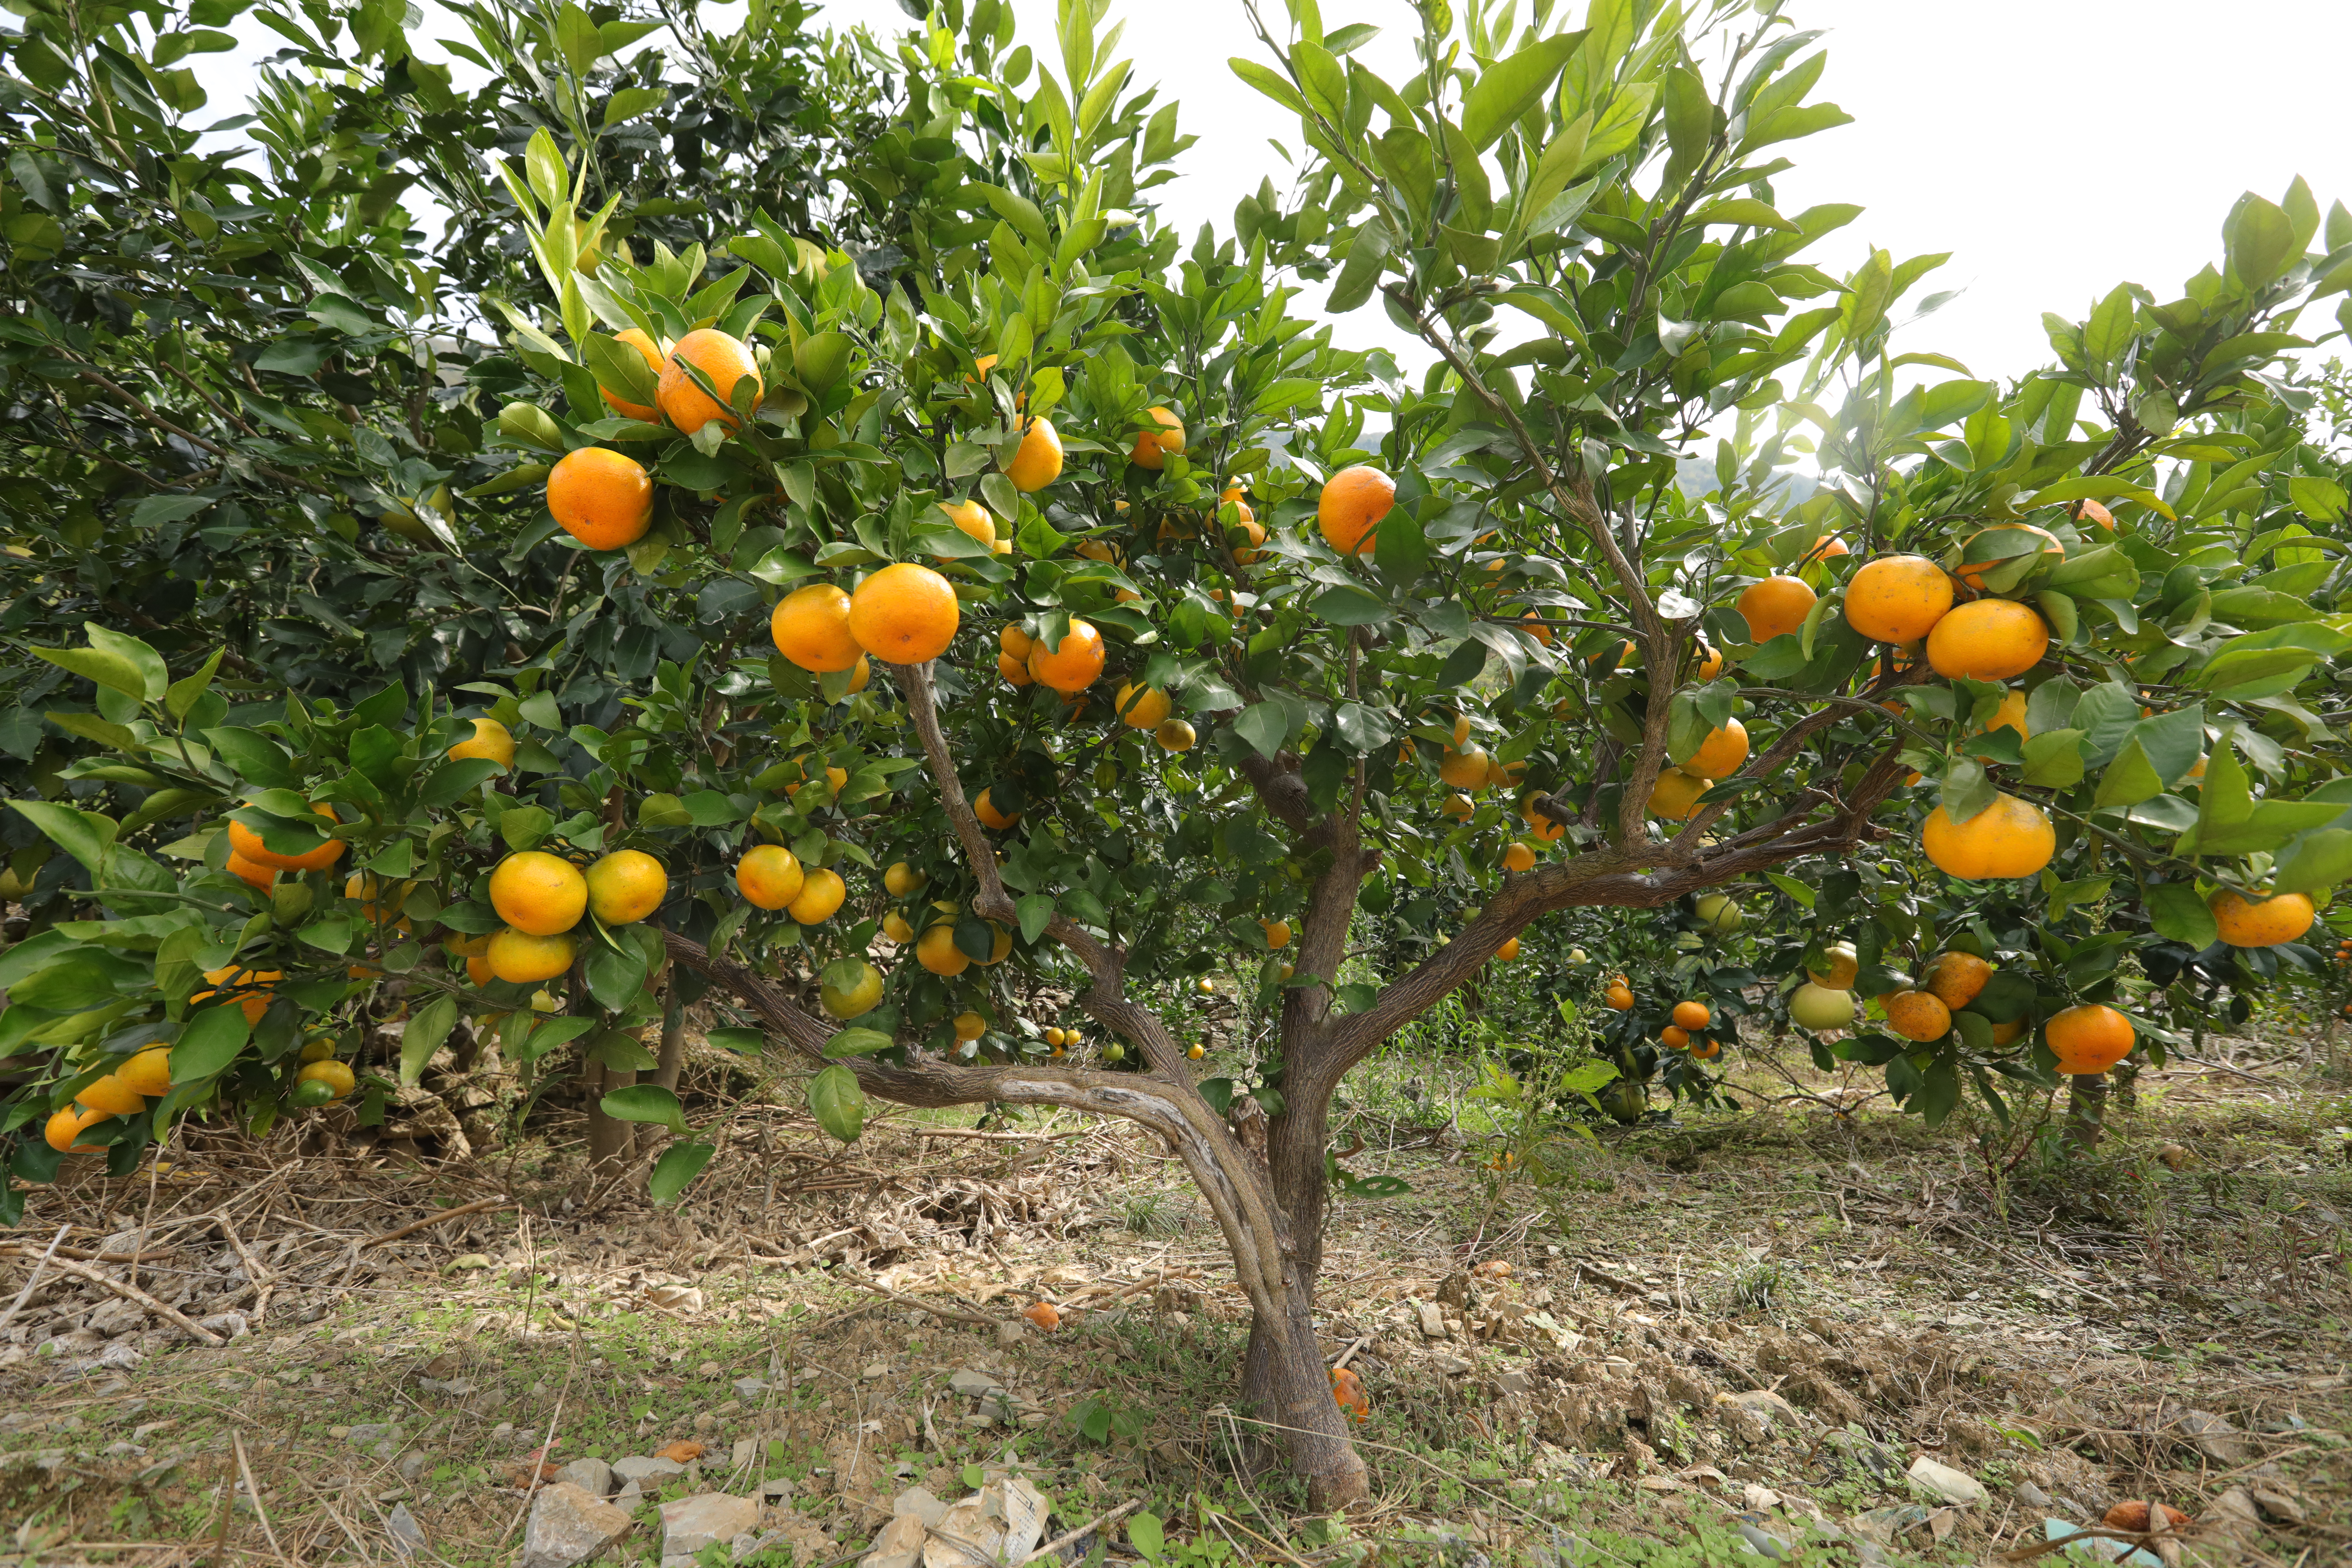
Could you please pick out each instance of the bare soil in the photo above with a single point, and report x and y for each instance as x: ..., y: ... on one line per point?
x: 1683, y: 1343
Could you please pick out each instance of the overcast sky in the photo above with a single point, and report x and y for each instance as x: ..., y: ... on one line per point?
x: 2054, y: 147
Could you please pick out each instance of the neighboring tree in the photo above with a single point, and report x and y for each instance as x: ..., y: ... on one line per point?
x: 1212, y: 650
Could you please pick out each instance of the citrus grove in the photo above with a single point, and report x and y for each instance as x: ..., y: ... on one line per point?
x: 867, y: 606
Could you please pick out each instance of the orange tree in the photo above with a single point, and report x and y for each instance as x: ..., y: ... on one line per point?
x: 1074, y: 589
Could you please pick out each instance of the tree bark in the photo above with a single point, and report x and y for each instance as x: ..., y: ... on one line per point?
x: 610, y: 1140
x: 2086, y: 1111
x: 670, y: 1062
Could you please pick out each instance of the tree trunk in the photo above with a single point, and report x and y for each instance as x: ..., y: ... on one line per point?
x: 1286, y: 1380
x: 672, y: 1059
x: 610, y: 1140
x: 2086, y: 1111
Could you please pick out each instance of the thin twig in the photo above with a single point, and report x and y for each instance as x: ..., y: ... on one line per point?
x: 920, y: 1305
x: 479, y: 1206
x: 35, y: 1278
x: 236, y: 1441
x: 133, y: 1293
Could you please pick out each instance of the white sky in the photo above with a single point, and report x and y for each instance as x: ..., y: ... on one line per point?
x: 2055, y: 147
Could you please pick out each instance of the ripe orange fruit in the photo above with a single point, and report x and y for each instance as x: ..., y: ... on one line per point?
x: 1897, y: 599
x: 479, y: 970
x: 1674, y: 797
x: 1140, y: 708
x: 1618, y: 997
x: 821, y: 894
x: 1277, y: 933
x: 1038, y: 462
x: 1347, y: 1390
x: 1675, y: 1037
x: 69, y: 1124
x: 2007, y: 1034
x: 490, y: 739
x: 1720, y: 754
x: 1509, y: 950
x: 109, y: 1096
x: 626, y: 886
x: 970, y: 1026
x: 244, y: 841
x: 2010, y: 715
x: 1542, y: 827
x: 1826, y: 547
x: 811, y: 628
x: 147, y: 1072
x: 1462, y: 769
x: 1352, y: 503
x: 1518, y: 858
x: 2010, y: 838
x: 769, y: 875
x: 256, y: 876
x: 337, y: 1075
x: 1072, y: 666
x: 1537, y: 627
x: 972, y: 519
x: 936, y: 950
x: 538, y: 893
x: 1162, y: 433
x: 636, y: 339
x: 725, y: 361
x: 2088, y: 1039
x: 1775, y: 607
x: 1710, y: 664
x: 2261, y: 924
x: 1706, y: 1050
x: 602, y: 498
x: 1919, y: 1016
x: 1956, y: 978
x: 1175, y: 736
x: 904, y: 613
x: 253, y: 988
x: 1972, y: 573
x: 1014, y: 671
x: 1044, y: 1313
x: 990, y: 817
x: 1458, y: 806
x: 526, y: 959
x: 1692, y: 1015
x: 1991, y: 639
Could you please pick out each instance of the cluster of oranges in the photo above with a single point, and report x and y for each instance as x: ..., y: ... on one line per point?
x: 544, y: 897
x: 605, y: 498
x: 1687, y: 1032
x: 2086, y: 1039
x: 146, y: 1074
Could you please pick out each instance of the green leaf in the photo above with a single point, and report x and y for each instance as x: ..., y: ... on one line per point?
x: 108, y: 669
x: 2180, y: 915
x: 1400, y: 549
x: 614, y: 979
x: 838, y: 1103
x: 679, y: 1165
x: 2053, y: 760
x: 1034, y: 910
x: 1264, y: 725
x: 1272, y: 83
x: 2321, y: 860
x: 181, y: 694
x: 1745, y: 211
x: 214, y: 1038
x: 648, y: 1103
x: 84, y: 835
x: 1145, y: 1533
x: 858, y: 1043
x: 2129, y: 779
x: 1367, y: 255
x: 427, y: 1027
x: 155, y: 678
x: 2258, y: 239
x: 1509, y: 88
x: 632, y: 101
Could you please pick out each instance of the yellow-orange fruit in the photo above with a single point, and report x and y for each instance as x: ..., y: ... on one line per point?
x: 1991, y: 639
x: 1897, y: 599
x: 2010, y: 838
x: 602, y: 498
x: 725, y: 361
x: 1351, y: 507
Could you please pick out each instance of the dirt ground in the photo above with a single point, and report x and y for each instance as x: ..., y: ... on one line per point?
x: 1726, y: 1334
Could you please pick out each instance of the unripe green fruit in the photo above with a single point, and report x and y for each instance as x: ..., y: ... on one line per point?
x: 1817, y: 1007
